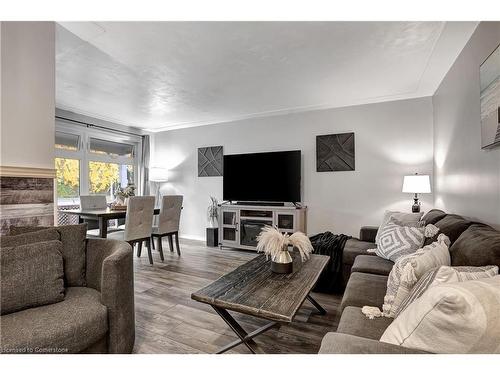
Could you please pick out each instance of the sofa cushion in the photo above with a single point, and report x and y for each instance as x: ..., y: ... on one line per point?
x: 403, y: 217
x: 479, y: 245
x: 452, y: 226
x: 372, y: 264
x: 364, y: 289
x: 340, y: 343
x: 408, y: 269
x: 20, y: 239
x: 433, y: 216
x: 397, y: 240
x: 73, y: 240
x: 456, y: 318
x: 354, y: 322
x: 69, y: 326
x: 32, y: 275
x: 443, y: 275
x: 353, y: 248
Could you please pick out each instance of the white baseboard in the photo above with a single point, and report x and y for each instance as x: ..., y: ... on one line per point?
x: 192, y: 237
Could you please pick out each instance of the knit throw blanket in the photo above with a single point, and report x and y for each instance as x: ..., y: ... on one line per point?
x: 332, y: 245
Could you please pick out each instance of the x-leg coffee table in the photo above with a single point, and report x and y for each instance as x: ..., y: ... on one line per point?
x: 254, y: 290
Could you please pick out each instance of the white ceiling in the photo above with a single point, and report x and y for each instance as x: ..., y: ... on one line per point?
x: 166, y: 75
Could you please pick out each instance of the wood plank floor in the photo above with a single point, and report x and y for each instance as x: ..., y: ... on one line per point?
x: 169, y: 321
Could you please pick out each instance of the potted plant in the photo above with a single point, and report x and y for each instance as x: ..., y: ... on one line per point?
x: 123, y: 194
x: 275, y: 244
x: 213, y: 212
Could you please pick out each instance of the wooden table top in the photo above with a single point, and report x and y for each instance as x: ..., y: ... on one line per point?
x: 108, y: 213
x: 254, y: 289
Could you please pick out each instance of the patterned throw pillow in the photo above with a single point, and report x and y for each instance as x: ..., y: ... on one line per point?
x: 409, y: 268
x: 396, y: 240
x: 452, y: 318
x: 403, y: 217
x: 445, y: 274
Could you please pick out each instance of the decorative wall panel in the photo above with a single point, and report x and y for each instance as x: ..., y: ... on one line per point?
x: 210, y: 161
x: 335, y: 152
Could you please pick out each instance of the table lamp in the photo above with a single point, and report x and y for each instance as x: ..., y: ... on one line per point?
x: 416, y: 184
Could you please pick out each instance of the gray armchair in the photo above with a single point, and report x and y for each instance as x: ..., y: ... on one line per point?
x: 96, y: 318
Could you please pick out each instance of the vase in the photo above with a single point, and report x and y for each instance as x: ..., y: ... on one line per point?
x: 212, y: 222
x: 125, y: 201
x: 282, y: 262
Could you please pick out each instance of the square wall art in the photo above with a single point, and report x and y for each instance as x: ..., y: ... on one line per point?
x: 335, y: 152
x: 489, y: 74
x: 210, y: 161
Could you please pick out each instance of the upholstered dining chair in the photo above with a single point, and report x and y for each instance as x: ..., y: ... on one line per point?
x: 168, y: 223
x: 138, y: 224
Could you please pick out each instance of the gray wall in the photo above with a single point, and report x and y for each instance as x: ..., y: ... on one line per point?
x: 467, y: 179
x: 28, y: 94
x: 392, y: 139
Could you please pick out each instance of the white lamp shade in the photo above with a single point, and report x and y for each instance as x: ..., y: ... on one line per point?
x: 416, y: 184
x: 157, y: 174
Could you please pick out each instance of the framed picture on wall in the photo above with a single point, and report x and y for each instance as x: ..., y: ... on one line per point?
x: 489, y: 75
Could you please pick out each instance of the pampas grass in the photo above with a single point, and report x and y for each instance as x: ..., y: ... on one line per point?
x: 271, y: 242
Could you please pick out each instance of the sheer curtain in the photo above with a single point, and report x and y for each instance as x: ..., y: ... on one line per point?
x: 145, y: 165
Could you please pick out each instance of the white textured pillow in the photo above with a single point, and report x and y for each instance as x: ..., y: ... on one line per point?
x: 397, y: 240
x: 443, y: 275
x: 455, y: 318
x: 403, y: 217
x: 407, y: 270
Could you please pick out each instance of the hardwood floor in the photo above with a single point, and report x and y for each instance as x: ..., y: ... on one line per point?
x: 169, y: 321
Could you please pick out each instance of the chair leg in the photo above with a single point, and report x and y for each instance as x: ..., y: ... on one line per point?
x: 170, y: 242
x: 160, y: 248
x: 152, y: 242
x: 150, y: 255
x: 139, y: 249
x: 177, y: 243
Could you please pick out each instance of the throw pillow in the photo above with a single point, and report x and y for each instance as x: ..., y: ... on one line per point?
x: 396, y: 240
x: 27, y: 238
x: 74, y: 243
x: 403, y: 217
x: 445, y: 274
x: 451, y: 318
x: 32, y: 275
x: 409, y: 268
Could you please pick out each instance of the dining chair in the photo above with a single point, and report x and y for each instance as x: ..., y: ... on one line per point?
x: 168, y: 223
x: 139, y: 223
x: 94, y: 202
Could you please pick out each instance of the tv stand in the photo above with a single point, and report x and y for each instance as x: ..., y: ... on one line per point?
x: 240, y: 224
x: 274, y: 204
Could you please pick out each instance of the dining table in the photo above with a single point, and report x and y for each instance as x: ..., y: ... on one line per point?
x: 101, y: 215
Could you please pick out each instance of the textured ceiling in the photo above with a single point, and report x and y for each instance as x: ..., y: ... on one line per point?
x: 166, y: 75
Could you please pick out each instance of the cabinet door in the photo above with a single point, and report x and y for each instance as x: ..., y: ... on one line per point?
x: 228, y: 231
x: 285, y: 221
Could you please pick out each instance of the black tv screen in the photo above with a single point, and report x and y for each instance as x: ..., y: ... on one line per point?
x: 262, y: 177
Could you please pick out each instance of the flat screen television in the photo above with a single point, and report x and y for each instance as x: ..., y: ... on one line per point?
x: 262, y: 177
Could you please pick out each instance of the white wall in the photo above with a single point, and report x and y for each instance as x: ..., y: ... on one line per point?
x: 467, y: 179
x: 392, y: 139
x: 27, y: 94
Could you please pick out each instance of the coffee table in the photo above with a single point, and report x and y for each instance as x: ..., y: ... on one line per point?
x: 255, y: 290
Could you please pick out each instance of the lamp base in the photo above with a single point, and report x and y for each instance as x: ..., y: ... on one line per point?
x: 416, y: 205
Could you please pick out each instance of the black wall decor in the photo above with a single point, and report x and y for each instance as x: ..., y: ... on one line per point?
x: 210, y: 161
x: 335, y: 152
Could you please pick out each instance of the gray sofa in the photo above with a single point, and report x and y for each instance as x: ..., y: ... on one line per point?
x: 472, y: 244
x: 96, y: 318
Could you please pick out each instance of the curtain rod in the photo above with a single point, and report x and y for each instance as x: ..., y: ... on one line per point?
x: 89, y: 125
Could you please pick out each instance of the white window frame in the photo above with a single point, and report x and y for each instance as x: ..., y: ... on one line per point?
x: 84, y: 155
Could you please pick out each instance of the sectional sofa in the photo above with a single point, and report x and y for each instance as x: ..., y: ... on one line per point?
x: 472, y: 244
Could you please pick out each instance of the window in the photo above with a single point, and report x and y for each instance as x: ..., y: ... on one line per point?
x: 105, y: 178
x: 65, y: 141
x: 93, y: 161
x: 68, y: 178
